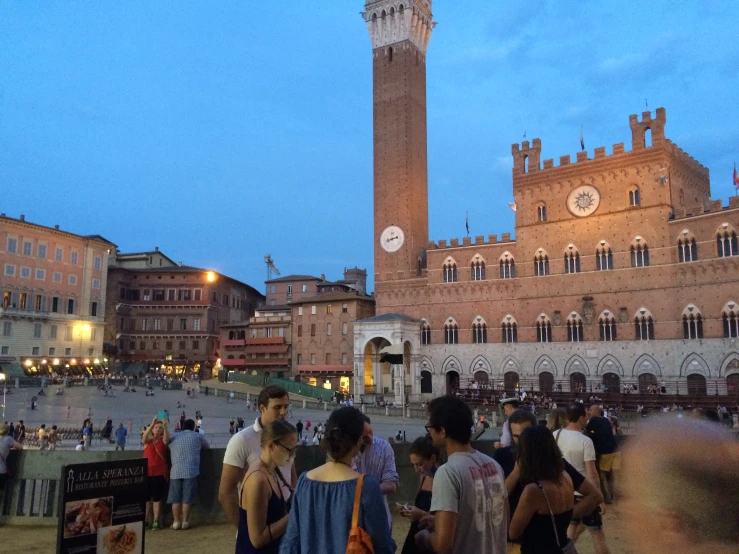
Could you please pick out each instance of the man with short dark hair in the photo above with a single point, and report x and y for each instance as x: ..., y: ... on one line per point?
x: 469, y: 494
x: 120, y: 437
x: 600, y: 430
x: 244, y: 449
x: 578, y: 449
x: 185, y: 448
x: 377, y: 458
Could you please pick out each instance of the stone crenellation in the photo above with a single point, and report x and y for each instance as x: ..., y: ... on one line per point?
x: 467, y: 241
x: 527, y: 156
x: 710, y: 207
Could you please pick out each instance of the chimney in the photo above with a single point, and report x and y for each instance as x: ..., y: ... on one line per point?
x: 323, y: 276
x: 156, y: 249
x: 56, y: 226
x: 22, y: 217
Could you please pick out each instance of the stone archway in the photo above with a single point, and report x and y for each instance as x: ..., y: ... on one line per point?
x: 546, y: 381
x: 577, y: 382
x: 452, y: 382
x: 612, y: 382
x: 426, y: 382
x: 647, y: 380
x: 378, y: 377
x: 697, y: 384
x: 510, y: 381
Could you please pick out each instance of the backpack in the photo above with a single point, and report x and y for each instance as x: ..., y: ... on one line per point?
x: 359, y: 540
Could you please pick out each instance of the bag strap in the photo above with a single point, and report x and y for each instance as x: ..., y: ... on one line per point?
x: 357, y: 499
x: 556, y: 439
x: 551, y: 513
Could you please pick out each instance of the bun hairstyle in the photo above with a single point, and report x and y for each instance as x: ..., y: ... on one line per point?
x: 276, y: 431
x: 343, y: 431
x: 424, y: 447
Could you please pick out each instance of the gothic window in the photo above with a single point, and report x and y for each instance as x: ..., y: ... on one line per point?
x: 603, y: 257
x: 574, y: 328
x: 572, y: 260
x: 478, y: 269
x: 507, y: 266
x: 607, y: 327
x: 479, y: 332
x: 726, y: 241
x: 687, y: 248
x: 451, y: 333
x: 639, y: 253
x: 541, y: 263
x: 634, y: 197
x: 730, y: 317
x: 450, y: 272
x: 510, y: 330
x: 692, y: 326
x: 541, y: 212
x: 643, y: 325
x: 425, y: 333
x: 543, y: 329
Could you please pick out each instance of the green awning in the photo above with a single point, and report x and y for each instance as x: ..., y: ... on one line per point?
x: 12, y: 370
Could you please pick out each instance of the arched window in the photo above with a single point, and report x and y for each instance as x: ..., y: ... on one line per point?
x: 643, y: 325
x: 543, y: 329
x: 607, y: 327
x: 510, y: 330
x: 687, y: 248
x: 634, y: 197
x: 541, y: 263
x: 425, y: 333
x: 572, y: 259
x: 451, y: 332
x: 639, y: 253
x: 426, y: 384
x: 479, y: 331
x: 507, y: 266
x: 726, y: 241
x: 450, y: 271
x: 541, y: 212
x: 692, y: 323
x: 230, y: 335
x: 574, y: 328
x: 478, y: 269
x: 730, y: 317
x: 603, y: 257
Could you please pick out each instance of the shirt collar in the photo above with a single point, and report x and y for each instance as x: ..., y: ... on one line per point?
x: 258, y: 426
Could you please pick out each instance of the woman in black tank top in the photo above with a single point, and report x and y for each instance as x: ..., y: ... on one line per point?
x: 544, y: 511
x: 425, y: 459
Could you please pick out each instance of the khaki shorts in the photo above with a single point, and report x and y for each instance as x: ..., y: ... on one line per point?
x: 610, y: 462
x: 514, y: 548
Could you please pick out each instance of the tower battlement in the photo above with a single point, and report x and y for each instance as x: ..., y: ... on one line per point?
x: 527, y: 156
x: 392, y: 21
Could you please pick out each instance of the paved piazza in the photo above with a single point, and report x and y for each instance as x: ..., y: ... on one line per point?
x: 71, y: 409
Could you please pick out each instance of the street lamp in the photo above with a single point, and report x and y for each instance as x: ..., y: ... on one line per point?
x: 2, y: 381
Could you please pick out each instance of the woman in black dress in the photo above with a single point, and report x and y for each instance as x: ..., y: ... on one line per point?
x: 426, y: 459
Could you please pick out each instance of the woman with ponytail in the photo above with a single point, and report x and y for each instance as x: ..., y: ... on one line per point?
x: 323, y: 503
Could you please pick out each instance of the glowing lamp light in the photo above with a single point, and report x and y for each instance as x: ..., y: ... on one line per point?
x: 73, y: 361
x: 86, y: 327
x: 210, y: 276
x: 56, y: 361
x: 28, y: 363
x: 87, y: 362
x: 97, y: 361
x: 43, y: 361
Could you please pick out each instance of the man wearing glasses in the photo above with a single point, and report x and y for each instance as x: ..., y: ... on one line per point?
x: 244, y: 449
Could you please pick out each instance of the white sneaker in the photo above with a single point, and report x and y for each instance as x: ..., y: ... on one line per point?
x: 176, y: 525
x: 185, y: 524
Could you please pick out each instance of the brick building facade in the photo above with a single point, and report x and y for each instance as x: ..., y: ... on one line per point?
x: 166, y: 317
x: 53, y: 287
x: 622, y: 268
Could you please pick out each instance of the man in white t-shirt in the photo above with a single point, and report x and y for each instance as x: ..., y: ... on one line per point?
x: 579, y: 451
x: 244, y: 449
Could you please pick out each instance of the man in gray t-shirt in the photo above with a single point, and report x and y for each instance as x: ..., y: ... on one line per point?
x: 469, y: 494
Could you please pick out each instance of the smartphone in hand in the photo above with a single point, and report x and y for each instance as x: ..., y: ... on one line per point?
x: 162, y: 415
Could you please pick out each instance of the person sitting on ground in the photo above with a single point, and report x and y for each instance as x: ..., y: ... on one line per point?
x: 80, y: 446
x: 263, y: 509
x: 334, y: 487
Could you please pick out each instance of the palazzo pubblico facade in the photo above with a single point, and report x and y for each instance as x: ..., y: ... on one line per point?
x: 622, y: 270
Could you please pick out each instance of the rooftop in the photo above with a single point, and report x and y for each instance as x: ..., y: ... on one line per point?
x: 389, y: 317
x: 294, y: 278
x: 22, y: 219
x: 334, y: 296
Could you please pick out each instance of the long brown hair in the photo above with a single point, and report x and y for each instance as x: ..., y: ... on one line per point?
x: 539, y: 456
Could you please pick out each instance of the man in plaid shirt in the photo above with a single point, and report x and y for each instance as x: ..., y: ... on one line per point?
x: 377, y: 458
x: 185, y: 448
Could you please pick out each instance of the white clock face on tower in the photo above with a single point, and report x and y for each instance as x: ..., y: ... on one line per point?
x: 583, y: 200
x: 392, y: 238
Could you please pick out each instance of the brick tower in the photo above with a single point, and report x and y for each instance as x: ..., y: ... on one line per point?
x: 400, y: 32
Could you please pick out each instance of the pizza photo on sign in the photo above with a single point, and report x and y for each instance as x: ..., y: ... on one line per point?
x: 121, y: 539
x: 84, y: 517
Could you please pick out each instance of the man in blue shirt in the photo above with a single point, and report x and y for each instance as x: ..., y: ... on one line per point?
x: 120, y: 437
x: 185, y: 448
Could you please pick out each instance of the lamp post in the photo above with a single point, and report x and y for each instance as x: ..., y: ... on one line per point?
x: 2, y: 382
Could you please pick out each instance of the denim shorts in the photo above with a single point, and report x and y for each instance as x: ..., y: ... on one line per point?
x: 183, y: 491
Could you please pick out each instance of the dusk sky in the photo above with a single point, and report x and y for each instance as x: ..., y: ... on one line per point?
x: 224, y: 131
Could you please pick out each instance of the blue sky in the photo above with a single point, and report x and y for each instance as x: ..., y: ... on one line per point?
x: 223, y: 131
